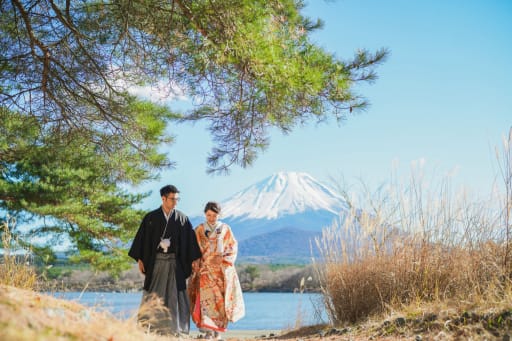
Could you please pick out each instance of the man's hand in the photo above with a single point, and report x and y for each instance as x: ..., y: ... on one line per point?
x: 196, y: 265
x: 141, y: 267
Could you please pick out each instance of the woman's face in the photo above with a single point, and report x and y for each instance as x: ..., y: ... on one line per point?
x: 211, y: 217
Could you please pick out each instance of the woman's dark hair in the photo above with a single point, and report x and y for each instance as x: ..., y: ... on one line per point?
x: 212, y: 206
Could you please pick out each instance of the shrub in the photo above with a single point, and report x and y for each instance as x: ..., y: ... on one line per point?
x: 417, y: 243
x: 15, y: 269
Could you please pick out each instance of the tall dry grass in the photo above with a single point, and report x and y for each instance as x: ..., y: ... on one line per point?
x: 15, y: 268
x: 27, y: 315
x: 418, y: 242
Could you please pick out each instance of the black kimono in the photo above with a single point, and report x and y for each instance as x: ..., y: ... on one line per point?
x: 166, y: 270
x: 183, y: 244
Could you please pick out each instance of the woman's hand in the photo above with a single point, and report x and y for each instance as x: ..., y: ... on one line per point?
x: 215, y: 258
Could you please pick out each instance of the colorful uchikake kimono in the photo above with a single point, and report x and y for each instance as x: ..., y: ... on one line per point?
x: 214, y: 289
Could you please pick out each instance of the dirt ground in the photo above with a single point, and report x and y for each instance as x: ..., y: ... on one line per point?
x: 27, y: 315
x: 232, y: 335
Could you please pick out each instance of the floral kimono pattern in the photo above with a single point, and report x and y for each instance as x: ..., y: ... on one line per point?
x: 214, y: 289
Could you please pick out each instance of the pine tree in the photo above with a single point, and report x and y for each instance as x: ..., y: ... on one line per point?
x: 72, y: 136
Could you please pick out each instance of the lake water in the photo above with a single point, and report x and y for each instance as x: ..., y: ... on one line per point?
x: 263, y: 311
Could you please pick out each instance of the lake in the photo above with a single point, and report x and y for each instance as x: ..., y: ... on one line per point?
x: 263, y: 311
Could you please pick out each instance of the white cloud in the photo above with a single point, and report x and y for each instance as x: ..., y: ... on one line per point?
x: 163, y: 92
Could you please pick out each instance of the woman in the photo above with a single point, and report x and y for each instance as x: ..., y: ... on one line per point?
x: 214, y: 289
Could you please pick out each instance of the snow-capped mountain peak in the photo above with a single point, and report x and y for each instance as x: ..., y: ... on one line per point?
x: 284, y: 193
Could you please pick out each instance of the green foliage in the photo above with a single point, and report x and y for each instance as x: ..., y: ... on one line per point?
x: 252, y: 272
x: 249, y: 65
x: 56, y: 273
x: 62, y: 271
x: 73, y: 184
x: 256, y: 69
x: 115, y: 263
x: 71, y: 138
x: 278, y: 267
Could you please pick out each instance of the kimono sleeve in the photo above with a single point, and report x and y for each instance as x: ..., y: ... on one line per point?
x: 192, y: 250
x: 230, y: 246
x: 137, y: 249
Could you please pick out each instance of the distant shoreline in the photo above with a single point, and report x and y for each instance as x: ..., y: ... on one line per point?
x: 269, y: 278
x: 55, y: 287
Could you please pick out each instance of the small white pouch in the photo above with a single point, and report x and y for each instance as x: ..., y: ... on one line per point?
x: 165, y: 244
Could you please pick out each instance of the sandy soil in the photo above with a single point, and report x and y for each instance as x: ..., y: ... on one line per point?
x: 232, y: 335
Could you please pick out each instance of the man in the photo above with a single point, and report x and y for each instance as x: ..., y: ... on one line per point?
x: 165, y: 247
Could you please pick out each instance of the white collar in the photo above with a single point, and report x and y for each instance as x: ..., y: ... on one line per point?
x: 167, y: 216
x: 217, y: 227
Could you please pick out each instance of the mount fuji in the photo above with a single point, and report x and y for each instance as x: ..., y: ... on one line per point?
x: 278, y: 217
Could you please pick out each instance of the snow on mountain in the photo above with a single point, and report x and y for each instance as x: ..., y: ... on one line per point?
x: 282, y: 194
x: 279, y: 216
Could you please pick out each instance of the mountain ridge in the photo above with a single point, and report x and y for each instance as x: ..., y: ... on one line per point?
x: 283, y: 193
x: 279, y: 217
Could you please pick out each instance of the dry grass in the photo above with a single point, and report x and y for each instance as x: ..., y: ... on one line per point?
x: 28, y: 315
x: 14, y: 269
x: 420, y: 244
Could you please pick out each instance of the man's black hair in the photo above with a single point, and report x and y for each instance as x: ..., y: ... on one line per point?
x: 164, y: 191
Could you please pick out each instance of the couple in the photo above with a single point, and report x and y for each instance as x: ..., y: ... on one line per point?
x: 169, y: 252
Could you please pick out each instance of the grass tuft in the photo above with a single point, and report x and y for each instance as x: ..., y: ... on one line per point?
x: 420, y: 244
x: 15, y: 269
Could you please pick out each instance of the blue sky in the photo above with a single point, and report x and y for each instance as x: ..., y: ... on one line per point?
x: 443, y: 98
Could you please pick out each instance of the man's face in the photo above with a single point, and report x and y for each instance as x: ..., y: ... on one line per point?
x: 169, y: 201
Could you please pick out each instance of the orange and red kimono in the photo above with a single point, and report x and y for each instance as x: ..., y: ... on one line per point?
x: 214, y: 289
